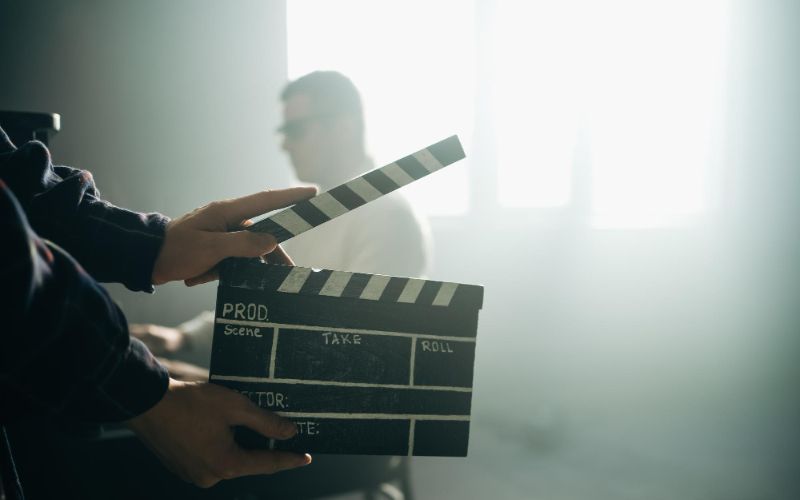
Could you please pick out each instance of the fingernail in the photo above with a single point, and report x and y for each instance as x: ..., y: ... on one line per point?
x: 306, y: 459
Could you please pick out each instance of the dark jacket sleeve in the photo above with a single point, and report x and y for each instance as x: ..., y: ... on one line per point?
x: 62, y: 205
x: 64, y: 345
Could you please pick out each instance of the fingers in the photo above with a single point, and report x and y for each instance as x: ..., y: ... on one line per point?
x: 207, y: 276
x: 251, y: 462
x: 264, y: 422
x: 186, y: 372
x: 279, y: 256
x: 255, y: 204
x: 242, y: 244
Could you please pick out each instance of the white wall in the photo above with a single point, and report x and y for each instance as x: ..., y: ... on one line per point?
x: 169, y: 104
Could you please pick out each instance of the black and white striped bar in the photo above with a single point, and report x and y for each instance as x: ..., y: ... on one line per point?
x: 365, y: 364
x: 252, y: 274
x: 338, y: 201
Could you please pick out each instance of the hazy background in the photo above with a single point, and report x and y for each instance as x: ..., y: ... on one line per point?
x: 641, y: 325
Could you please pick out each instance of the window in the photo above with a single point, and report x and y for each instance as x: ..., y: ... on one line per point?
x: 627, y: 90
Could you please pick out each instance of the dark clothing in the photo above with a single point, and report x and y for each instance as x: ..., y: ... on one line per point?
x: 65, y: 351
x: 62, y: 205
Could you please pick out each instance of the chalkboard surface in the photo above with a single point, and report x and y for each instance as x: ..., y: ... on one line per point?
x: 364, y: 364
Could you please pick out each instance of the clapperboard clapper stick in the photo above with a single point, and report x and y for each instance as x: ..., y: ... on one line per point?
x: 363, y: 363
x: 338, y: 201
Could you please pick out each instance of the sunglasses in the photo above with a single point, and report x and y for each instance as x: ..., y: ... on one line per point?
x: 296, y: 129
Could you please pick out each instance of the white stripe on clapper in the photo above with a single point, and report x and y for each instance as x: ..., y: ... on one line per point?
x: 445, y: 294
x: 397, y: 174
x: 364, y: 189
x: 336, y: 283
x: 428, y: 161
x: 295, y: 280
x: 328, y: 205
x: 289, y: 220
x: 375, y: 287
x: 411, y: 291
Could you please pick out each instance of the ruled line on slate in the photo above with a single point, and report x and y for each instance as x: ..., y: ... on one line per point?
x: 264, y: 324
x: 374, y: 416
x: 274, y: 352
x: 297, y: 381
x: 413, y: 359
x: 411, y: 437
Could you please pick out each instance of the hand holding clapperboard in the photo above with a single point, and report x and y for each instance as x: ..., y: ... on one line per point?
x: 363, y: 363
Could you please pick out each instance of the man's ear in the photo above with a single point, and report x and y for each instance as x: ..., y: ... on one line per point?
x: 344, y: 129
x: 350, y: 128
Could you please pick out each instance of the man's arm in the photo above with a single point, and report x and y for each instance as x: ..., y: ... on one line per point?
x: 64, y: 346
x: 63, y: 205
x: 65, y: 351
x: 136, y: 249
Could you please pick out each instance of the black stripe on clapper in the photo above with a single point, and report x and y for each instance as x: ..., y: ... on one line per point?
x: 412, y: 167
x: 311, y: 214
x: 428, y: 293
x: 467, y: 295
x: 356, y: 285
x: 380, y: 181
x: 447, y: 151
x: 316, y: 280
x: 346, y: 197
x: 269, y: 226
x: 393, y: 289
x: 273, y: 278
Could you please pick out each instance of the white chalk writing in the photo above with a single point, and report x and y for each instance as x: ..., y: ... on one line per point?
x: 240, y: 310
x: 332, y: 338
x: 308, y: 428
x: 244, y: 331
x: 436, y: 346
x: 268, y: 399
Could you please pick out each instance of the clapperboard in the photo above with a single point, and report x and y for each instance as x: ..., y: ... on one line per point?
x: 363, y: 363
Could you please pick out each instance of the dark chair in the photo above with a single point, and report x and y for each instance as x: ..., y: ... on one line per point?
x: 22, y: 127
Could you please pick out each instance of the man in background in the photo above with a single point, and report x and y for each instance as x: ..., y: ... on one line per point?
x: 324, y: 135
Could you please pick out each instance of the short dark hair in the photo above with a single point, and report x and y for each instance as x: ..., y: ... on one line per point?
x: 331, y: 93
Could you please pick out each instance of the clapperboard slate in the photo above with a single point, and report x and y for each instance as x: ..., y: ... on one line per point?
x: 363, y: 363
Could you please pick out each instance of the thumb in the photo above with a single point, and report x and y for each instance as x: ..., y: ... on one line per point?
x: 243, y: 244
x: 265, y: 422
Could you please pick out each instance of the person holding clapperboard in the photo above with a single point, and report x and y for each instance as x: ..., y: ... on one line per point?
x: 65, y: 352
x: 323, y: 134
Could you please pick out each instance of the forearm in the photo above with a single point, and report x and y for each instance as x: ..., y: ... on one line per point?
x: 64, y: 346
x: 62, y: 205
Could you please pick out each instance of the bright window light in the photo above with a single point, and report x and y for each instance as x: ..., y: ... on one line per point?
x: 641, y: 79
x: 535, y: 89
x: 656, y: 90
x: 414, y: 63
